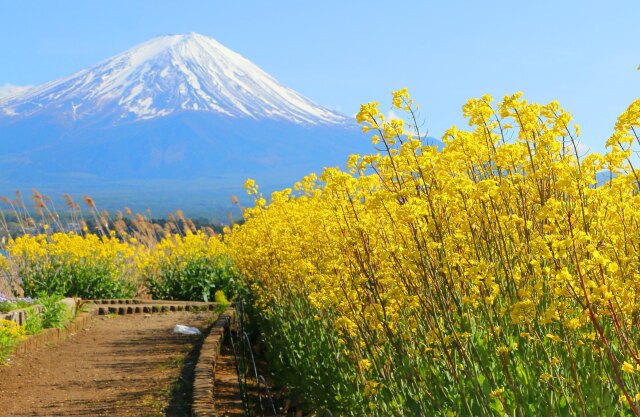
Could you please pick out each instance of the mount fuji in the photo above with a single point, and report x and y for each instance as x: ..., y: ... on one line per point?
x: 174, y: 116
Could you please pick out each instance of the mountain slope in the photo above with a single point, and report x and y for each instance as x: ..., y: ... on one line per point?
x: 176, y: 113
x: 8, y: 90
x: 166, y: 75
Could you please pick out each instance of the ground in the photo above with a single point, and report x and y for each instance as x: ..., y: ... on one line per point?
x: 130, y: 365
x: 226, y: 391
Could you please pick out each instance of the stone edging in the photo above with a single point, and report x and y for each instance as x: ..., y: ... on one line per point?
x: 20, y: 315
x: 143, y: 306
x: 203, y: 404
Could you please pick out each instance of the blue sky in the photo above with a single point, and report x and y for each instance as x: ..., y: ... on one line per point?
x: 343, y: 53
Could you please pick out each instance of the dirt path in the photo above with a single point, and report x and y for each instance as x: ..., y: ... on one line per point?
x: 121, y: 366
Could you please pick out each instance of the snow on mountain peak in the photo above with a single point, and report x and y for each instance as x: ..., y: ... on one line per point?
x: 169, y: 74
x: 8, y: 90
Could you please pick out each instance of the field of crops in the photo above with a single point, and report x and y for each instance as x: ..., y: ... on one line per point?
x: 498, y: 275
x: 178, y: 266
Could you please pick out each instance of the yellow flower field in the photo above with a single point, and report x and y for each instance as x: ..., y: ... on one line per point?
x: 499, y: 275
x: 189, y: 266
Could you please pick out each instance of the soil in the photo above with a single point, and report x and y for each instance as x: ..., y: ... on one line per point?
x: 226, y: 394
x: 130, y: 365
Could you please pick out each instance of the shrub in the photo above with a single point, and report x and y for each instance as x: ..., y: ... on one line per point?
x: 86, y: 266
x: 54, y: 312
x: 190, y: 267
x: 10, y: 334
x: 34, y: 322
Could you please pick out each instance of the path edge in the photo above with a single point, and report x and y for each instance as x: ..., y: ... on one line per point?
x: 53, y: 336
x: 203, y: 383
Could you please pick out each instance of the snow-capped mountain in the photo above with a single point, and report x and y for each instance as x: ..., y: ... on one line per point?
x: 169, y: 74
x: 173, y: 113
x: 8, y: 90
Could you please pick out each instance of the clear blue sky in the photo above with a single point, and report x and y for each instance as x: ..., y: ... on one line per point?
x: 343, y: 53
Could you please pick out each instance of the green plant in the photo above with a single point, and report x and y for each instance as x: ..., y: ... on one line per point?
x: 54, y: 311
x: 34, y: 322
x: 497, y: 275
x: 192, y: 267
x: 10, y: 304
x: 10, y: 334
x: 87, y: 266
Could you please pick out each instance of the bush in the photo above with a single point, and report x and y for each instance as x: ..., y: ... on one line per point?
x: 190, y: 267
x: 54, y: 312
x: 34, y: 322
x: 76, y: 266
x: 10, y: 334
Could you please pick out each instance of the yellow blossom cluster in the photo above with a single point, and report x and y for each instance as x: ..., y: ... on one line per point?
x: 10, y: 334
x: 12, y: 329
x: 4, y: 264
x: 189, y: 266
x: 180, y: 249
x: 89, y: 265
x: 192, y: 266
x: 498, y: 275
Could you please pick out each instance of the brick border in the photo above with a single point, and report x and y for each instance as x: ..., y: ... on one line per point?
x: 20, y: 315
x: 150, y: 306
x: 203, y: 382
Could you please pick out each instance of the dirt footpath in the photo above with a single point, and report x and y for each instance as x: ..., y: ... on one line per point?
x: 121, y: 366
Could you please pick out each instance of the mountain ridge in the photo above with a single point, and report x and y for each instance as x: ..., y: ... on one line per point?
x: 164, y: 75
x: 92, y: 133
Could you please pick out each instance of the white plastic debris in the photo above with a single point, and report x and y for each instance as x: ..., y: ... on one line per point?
x: 181, y: 329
